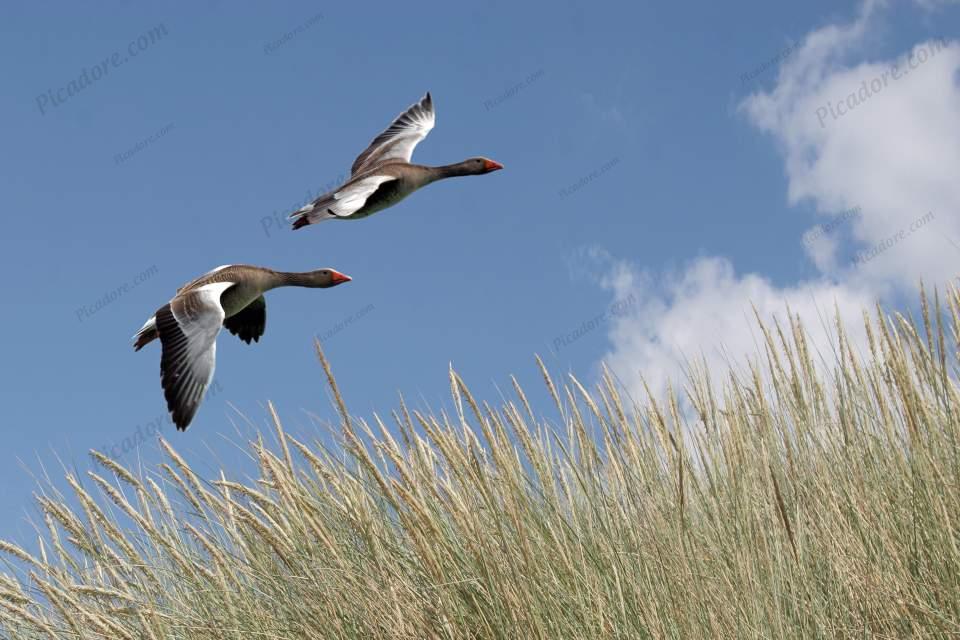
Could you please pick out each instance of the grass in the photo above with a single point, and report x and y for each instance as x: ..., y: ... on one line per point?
x: 796, y: 500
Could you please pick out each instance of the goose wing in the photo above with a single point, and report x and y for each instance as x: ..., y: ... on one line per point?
x: 250, y: 322
x: 199, y: 279
x: 342, y: 203
x: 398, y: 141
x: 188, y: 326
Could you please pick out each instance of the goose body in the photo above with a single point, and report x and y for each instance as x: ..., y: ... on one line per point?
x: 383, y: 175
x: 230, y: 296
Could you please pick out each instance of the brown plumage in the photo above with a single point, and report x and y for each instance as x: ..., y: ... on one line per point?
x: 188, y: 325
x: 383, y: 175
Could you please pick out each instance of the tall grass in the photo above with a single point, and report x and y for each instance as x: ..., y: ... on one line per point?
x: 788, y: 502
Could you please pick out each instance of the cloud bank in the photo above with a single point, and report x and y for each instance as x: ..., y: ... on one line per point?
x: 890, y: 154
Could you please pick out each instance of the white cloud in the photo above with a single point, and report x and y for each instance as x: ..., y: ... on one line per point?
x: 883, y: 136
x: 706, y: 310
x: 895, y: 155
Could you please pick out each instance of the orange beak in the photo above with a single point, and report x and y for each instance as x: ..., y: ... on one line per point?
x: 339, y: 278
x: 491, y: 165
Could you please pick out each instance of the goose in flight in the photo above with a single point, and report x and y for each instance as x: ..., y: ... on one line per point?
x: 188, y: 325
x: 383, y: 175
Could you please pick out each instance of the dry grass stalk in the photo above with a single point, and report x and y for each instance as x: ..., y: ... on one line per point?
x: 656, y: 520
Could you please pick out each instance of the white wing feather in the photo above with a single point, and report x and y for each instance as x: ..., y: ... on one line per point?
x: 398, y: 141
x: 350, y: 200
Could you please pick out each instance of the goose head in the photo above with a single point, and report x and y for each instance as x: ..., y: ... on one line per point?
x: 325, y: 278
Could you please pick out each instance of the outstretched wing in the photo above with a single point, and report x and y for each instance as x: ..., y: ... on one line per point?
x: 398, y: 141
x: 188, y: 326
x: 249, y: 323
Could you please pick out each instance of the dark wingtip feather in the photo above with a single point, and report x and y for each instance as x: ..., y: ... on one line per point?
x: 143, y: 339
x: 173, y: 341
x: 300, y: 222
x: 181, y: 419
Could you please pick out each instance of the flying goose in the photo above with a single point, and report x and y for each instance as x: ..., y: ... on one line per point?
x: 229, y: 296
x: 383, y: 175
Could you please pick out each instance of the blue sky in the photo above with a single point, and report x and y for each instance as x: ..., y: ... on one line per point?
x: 650, y: 195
